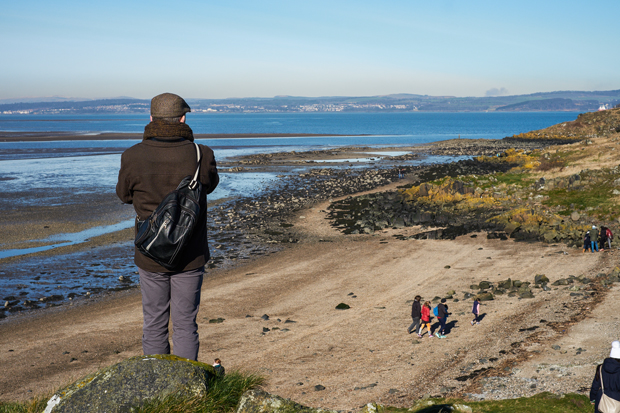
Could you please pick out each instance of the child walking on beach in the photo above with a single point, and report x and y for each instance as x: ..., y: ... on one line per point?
x: 587, y: 244
x: 476, y: 311
x: 442, y: 315
x: 426, y: 320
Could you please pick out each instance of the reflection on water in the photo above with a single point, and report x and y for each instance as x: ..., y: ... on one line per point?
x: 82, y: 175
x: 63, y: 240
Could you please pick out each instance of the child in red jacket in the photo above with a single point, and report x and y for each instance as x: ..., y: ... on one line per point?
x: 426, y: 320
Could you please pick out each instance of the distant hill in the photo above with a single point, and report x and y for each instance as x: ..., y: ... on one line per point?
x: 555, y: 104
x: 87, y: 106
x: 582, y: 101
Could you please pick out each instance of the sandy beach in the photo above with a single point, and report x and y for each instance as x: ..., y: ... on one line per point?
x: 361, y: 354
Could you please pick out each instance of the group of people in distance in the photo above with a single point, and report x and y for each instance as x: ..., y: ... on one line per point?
x: 421, y: 315
x: 593, y: 236
x: 606, y: 379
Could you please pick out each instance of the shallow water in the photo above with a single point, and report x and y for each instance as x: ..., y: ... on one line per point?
x: 66, y: 239
x: 55, y: 279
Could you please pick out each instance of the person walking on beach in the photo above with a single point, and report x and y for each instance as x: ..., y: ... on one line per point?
x: 609, y: 236
x: 442, y: 314
x: 476, y: 311
x: 426, y: 320
x: 416, y: 313
x: 594, y: 238
x: 149, y: 171
x: 607, y: 378
x: 602, y: 238
x: 587, y: 242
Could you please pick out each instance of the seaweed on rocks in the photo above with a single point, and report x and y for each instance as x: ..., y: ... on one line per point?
x: 260, y: 224
x: 462, y: 167
x: 492, y: 194
x: 373, y: 212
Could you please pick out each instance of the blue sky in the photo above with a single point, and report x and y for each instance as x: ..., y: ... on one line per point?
x: 207, y: 49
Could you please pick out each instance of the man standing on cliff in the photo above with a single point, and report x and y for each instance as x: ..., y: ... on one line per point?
x: 149, y: 171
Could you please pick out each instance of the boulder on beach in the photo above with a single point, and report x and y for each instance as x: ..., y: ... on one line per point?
x: 485, y: 297
x: 484, y: 285
x: 130, y: 383
x: 506, y: 284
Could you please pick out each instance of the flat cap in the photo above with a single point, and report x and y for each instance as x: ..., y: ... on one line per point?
x: 168, y: 105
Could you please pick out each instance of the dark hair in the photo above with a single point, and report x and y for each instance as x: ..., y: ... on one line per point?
x: 443, y: 300
x: 417, y: 297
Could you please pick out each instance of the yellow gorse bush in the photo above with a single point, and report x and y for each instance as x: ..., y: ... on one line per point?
x: 513, y: 156
x: 522, y: 216
x: 445, y: 193
x: 540, y: 135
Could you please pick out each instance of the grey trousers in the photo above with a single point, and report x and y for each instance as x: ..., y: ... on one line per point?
x: 415, y: 326
x: 171, y: 296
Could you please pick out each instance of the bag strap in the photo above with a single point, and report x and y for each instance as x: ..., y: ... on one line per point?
x: 195, y: 179
x: 600, y: 372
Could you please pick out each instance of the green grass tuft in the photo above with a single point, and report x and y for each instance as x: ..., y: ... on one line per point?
x: 223, y: 396
x: 35, y: 405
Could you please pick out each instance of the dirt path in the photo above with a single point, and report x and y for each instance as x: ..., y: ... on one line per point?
x: 361, y: 354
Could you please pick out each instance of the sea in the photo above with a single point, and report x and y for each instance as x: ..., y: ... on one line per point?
x: 42, y: 173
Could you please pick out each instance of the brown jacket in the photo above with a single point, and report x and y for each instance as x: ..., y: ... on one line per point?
x: 153, y: 168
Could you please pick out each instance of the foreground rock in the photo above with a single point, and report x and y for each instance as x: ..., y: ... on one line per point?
x: 129, y: 384
x: 259, y: 401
